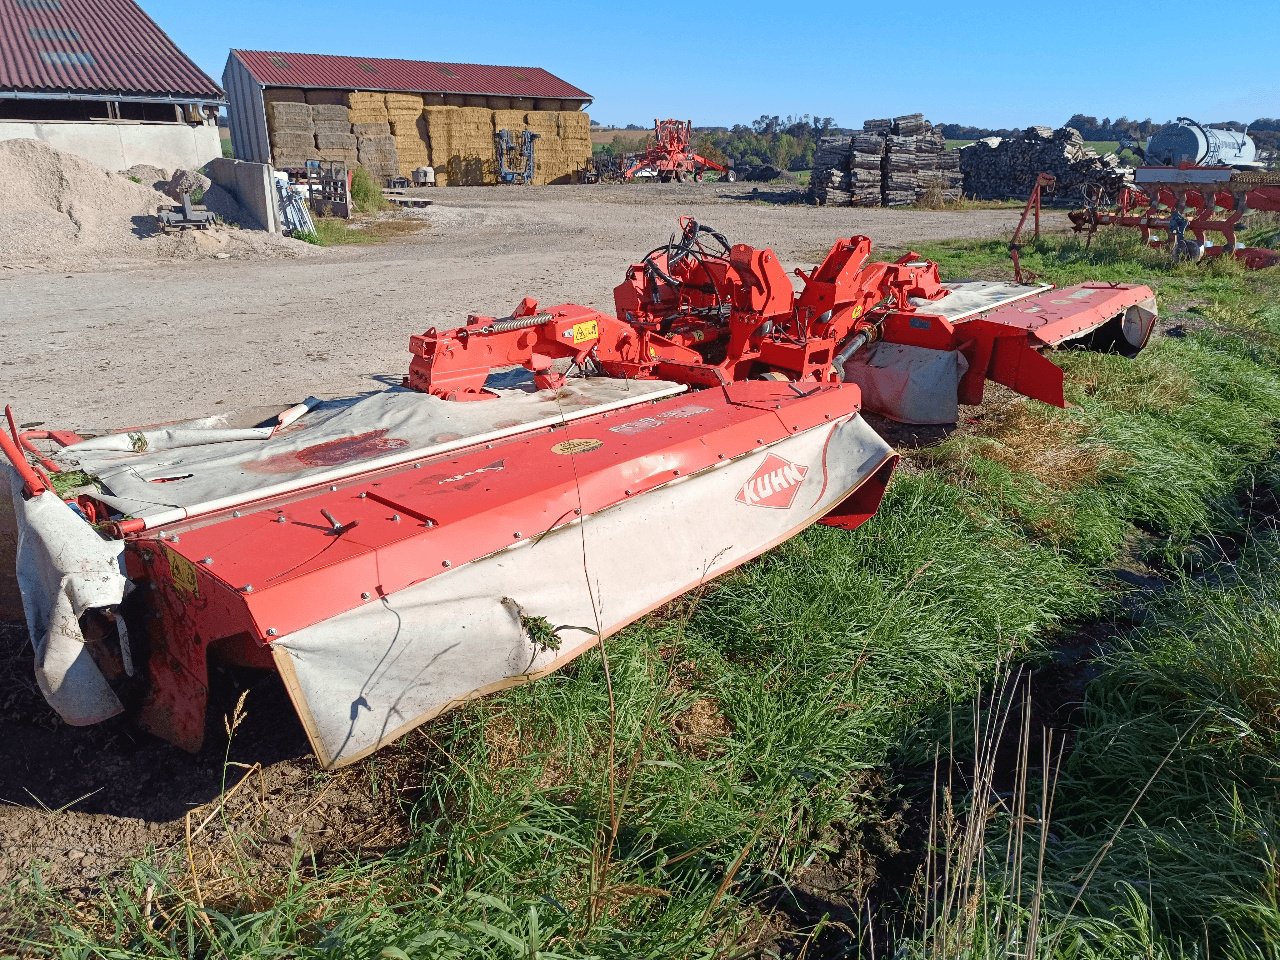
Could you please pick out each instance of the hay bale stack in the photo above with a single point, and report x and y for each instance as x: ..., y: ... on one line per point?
x: 403, y: 113
x: 379, y: 156
x: 1003, y: 169
x: 367, y: 107
x: 575, y: 143
x: 551, y: 164
x: 461, y: 145
x: 291, y: 133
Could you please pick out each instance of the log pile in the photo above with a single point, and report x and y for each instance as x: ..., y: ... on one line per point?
x: 829, y: 182
x: 889, y: 163
x: 917, y: 166
x: 1004, y: 169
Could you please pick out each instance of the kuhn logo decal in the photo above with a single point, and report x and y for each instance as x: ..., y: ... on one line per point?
x: 775, y: 484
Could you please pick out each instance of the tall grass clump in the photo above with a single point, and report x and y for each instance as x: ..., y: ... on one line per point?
x: 366, y: 195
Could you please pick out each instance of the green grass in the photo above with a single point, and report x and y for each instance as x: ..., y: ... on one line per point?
x: 366, y: 195
x: 637, y: 806
x: 336, y: 232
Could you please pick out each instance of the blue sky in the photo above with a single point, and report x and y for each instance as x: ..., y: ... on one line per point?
x: 728, y: 61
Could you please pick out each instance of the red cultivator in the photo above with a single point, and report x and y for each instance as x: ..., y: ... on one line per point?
x: 395, y: 555
x: 671, y: 155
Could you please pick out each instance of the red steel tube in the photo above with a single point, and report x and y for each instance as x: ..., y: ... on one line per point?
x: 31, y: 482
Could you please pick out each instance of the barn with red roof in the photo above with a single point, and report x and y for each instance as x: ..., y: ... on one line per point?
x: 396, y: 116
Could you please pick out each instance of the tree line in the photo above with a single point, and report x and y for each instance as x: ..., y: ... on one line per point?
x: 789, y: 143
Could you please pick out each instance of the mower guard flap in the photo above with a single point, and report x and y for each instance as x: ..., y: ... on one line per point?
x: 366, y: 676
x: 65, y: 569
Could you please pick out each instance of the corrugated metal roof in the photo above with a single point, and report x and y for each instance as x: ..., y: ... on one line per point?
x: 321, y: 71
x: 93, y: 46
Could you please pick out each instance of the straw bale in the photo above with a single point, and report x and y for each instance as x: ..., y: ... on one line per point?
x: 508, y: 120
x: 364, y: 100
x: 335, y: 141
x: 285, y: 114
x: 403, y: 101
x: 575, y: 124
x: 544, y: 122
x: 338, y: 97
x: 376, y: 129
x: 329, y: 111
x: 332, y: 126
x: 293, y: 143
x: 283, y: 95
x: 347, y: 157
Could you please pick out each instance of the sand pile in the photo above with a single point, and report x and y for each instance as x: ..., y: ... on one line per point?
x: 58, y: 211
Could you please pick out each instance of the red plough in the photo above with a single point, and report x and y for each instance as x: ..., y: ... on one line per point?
x: 540, y: 481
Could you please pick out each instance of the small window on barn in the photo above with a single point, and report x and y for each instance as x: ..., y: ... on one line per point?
x: 280, y: 62
x: 447, y: 72
x: 53, y: 33
x: 66, y: 58
x: 368, y: 68
x: 40, y: 4
x: 519, y: 76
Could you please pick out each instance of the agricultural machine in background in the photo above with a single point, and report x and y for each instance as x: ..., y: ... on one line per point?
x: 515, y: 155
x: 538, y: 482
x: 1195, y: 181
x: 671, y: 156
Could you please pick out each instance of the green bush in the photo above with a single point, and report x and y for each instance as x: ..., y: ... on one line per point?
x: 366, y: 195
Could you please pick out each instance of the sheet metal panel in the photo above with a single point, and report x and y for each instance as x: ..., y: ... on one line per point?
x: 94, y: 46
x: 246, y: 113
x: 311, y: 70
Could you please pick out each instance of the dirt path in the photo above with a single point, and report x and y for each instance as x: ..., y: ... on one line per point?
x: 96, y: 349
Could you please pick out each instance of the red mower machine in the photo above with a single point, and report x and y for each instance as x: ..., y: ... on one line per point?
x: 671, y: 157
x: 538, y: 482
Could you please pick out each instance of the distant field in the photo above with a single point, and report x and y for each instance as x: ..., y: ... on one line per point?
x: 603, y: 135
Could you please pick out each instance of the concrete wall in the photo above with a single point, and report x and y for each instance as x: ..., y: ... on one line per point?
x: 251, y: 185
x: 118, y: 146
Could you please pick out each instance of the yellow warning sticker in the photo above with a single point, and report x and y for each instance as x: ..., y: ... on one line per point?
x: 857, y: 312
x: 570, y: 447
x: 183, y: 573
x: 587, y: 330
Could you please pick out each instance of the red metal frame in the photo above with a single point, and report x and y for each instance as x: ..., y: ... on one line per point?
x: 1162, y: 210
x: 1045, y: 183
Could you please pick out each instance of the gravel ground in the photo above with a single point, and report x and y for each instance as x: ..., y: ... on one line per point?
x: 129, y: 345
x: 113, y: 347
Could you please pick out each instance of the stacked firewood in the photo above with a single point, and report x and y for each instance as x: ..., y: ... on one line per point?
x: 866, y: 169
x: 891, y: 162
x: 829, y: 182
x: 917, y: 167
x: 1000, y: 169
